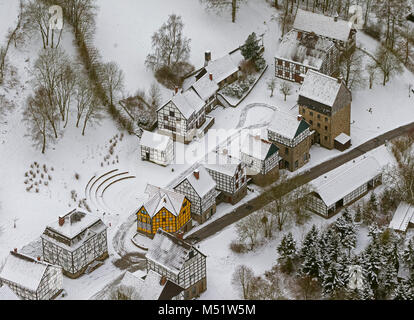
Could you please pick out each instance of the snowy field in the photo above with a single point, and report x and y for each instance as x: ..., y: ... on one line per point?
x: 124, y: 36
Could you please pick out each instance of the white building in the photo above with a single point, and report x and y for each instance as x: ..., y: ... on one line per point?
x: 31, y: 279
x: 74, y: 241
x: 261, y: 158
x: 200, y: 188
x: 403, y: 217
x: 229, y: 173
x: 343, y: 185
x: 157, y: 148
x: 182, y: 116
x: 179, y: 262
x: 150, y: 286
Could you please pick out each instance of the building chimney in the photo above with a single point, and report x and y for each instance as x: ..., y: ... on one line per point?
x: 300, y: 118
x: 339, y: 79
x: 299, y: 35
x: 211, y: 76
x: 225, y: 152
x: 257, y: 137
x: 163, y: 280
x: 15, y: 250
x: 39, y: 259
x: 336, y: 17
x: 207, y: 58
x: 180, y: 235
x: 61, y: 221
x: 196, y: 174
x: 176, y: 90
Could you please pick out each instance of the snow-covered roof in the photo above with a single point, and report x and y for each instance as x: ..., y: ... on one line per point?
x: 336, y: 184
x: 322, y: 25
x: 188, y: 102
x: 309, y: 50
x: 155, y: 141
x: 7, y: 294
x: 168, y: 251
x: 320, y: 87
x: 220, y: 162
x: 204, y: 184
x: 23, y: 270
x: 258, y: 148
x: 402, y: 217
x: 163, y: 198
x: 147, y: 287
x: 222, y: 68
x: 205, y: 87
x: 343, y: 138
x: 75, y: 222
x: 287, y: 125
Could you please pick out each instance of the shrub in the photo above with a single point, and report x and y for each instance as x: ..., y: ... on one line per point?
x: 237, y: 247
x: 374, y: 31
x: 260, y: 64
x: 77, y: 176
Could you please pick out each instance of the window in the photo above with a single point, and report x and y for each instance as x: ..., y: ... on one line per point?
x: 287, y: 64
x: 164, y: 220
x: 172, y: 114
x: 310, y: 121
x: 287, y: 74
x: 319, y: 125
x: 280, y: 72
x: 296, y: 163
x: 279, y: 62
x: 304, y: 157
x: 286, y: 150
x: 185, y: 203
x: 303, y: 110
x: 237, y: 185
x: 326, y: 127
x: 319, y: 116
x: 311, y: 113
x: 326, y: 119
x: 297, y: 67
x: 326, y: 138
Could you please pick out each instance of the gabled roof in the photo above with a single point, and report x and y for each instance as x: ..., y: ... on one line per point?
x: 7, y: 294
x: 148, y: 287
x: 204, y: 184
x: 169, y: 251
x: 187, y: 103
x: 287, y: 125
x: 322, y: 25
x: 320, y: 87
x: 402, y: 217
x: 163, y: 198
x: 336, y: 184
x: 309, y: 50
x: 154, y: 140
x: 222, y: 68
x: 23, y: 270
x: 258, y: 148
x: 222, y: 163
x: 75, y: 222
x: 205, y: 87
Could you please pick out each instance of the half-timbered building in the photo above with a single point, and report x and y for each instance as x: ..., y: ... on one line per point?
x: 165, y: 209
x: 325, y: 103
x: 200, y: 188
x: 229, y: 173
x: 31, y: 279
x: 74, y: 241
x: 182, y: 116
x: 261, y: 158
x: 299, y: 52
x: 344, y: 185
x: 293, y: 137
x: 179, y: 262
x: 332, y: 28
x: 157, y: 148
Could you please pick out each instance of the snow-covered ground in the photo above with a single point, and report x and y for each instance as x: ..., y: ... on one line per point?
x: 124, y: 35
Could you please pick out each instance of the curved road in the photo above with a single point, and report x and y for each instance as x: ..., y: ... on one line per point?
x: 322, y: 168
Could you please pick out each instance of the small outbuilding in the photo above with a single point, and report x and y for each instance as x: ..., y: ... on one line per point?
x: 403, y: 218
x: 157, y: 148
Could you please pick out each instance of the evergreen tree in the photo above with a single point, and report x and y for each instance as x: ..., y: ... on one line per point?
x: 287, y: 252
x: 332, y: 280
x: 373, y: 203
x: 309, y: 242
x: 408, y: 256
x: 402, y: 292
x: 372, y: 265
x: 250, y: 49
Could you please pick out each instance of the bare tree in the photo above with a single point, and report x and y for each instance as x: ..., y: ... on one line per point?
x: 83, y: 97
x: 271, y: 85
x: 351, y: 69
x: 387, y: 63
x: 124, y: 292
x: 242, y: 280
x: 224, y: 5
x: 286, y: 17
x: 372, y: 70
x: 169, y: 45
x: 248, y: 228
x: 36, y: 117
x: 64, y: 91
x: 285, y: 89
x: 112, y: 80
x: 92, y: 112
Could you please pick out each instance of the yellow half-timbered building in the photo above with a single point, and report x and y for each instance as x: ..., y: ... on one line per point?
x: 165, y: 209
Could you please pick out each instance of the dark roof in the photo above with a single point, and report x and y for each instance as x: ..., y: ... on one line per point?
x: 303, y: 125
x: 170, y: 291
x: 273, y: 149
